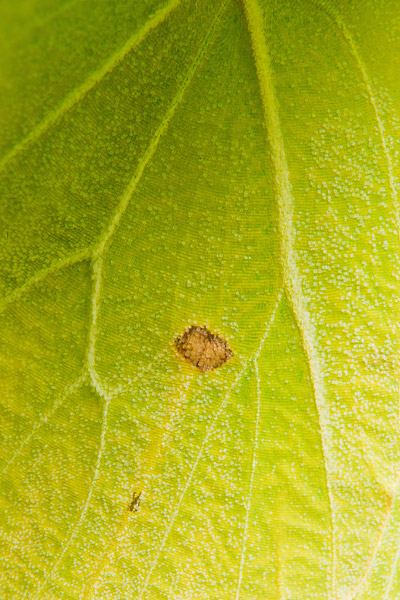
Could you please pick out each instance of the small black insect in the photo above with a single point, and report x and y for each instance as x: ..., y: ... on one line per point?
x: 135, y: 502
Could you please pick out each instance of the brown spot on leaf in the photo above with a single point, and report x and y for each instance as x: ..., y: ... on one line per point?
x: 203, y: 349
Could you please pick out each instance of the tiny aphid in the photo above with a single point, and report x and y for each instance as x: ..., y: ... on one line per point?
x: 203, y: 349
x: 135, y: 502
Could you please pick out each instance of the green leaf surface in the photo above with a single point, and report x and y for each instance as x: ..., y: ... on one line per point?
x: 233, y: 165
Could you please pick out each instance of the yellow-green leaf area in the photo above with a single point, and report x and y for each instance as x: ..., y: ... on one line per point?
x: 231, y: 166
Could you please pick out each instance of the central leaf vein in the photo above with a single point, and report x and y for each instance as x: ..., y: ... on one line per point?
x: 291, y: 275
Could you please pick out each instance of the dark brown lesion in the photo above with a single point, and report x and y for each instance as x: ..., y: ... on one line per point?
x: 203, y: 349
x: 135, y: 502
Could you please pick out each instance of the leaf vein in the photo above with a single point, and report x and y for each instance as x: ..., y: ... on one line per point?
x: 72, y: 259
x: 393, y: 572
x: 68, y: 390
x: 291, y: 275
x: 334, y: 15
x: 77, y: 94
x: 152, y: 146
x: 253, y: 469
x: 86, y: 504
x: 337, y: 19
x: 379, y: 538
x: 203, y: 445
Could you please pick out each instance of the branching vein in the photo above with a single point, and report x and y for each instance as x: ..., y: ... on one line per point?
x: 132, y: 185
x: 80, y: 92
x: 68, y: 390
x: 85, y: 506
x: 97, y: 259
x: 337, y: 19
x: 72, y: 259
x: 207, y: 435
x: 394, y: 570
x: 253, y: 469
x: 291, y: 275
x: 379, y: 538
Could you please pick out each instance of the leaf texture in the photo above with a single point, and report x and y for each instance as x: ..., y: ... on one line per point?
x: 228, y: 165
